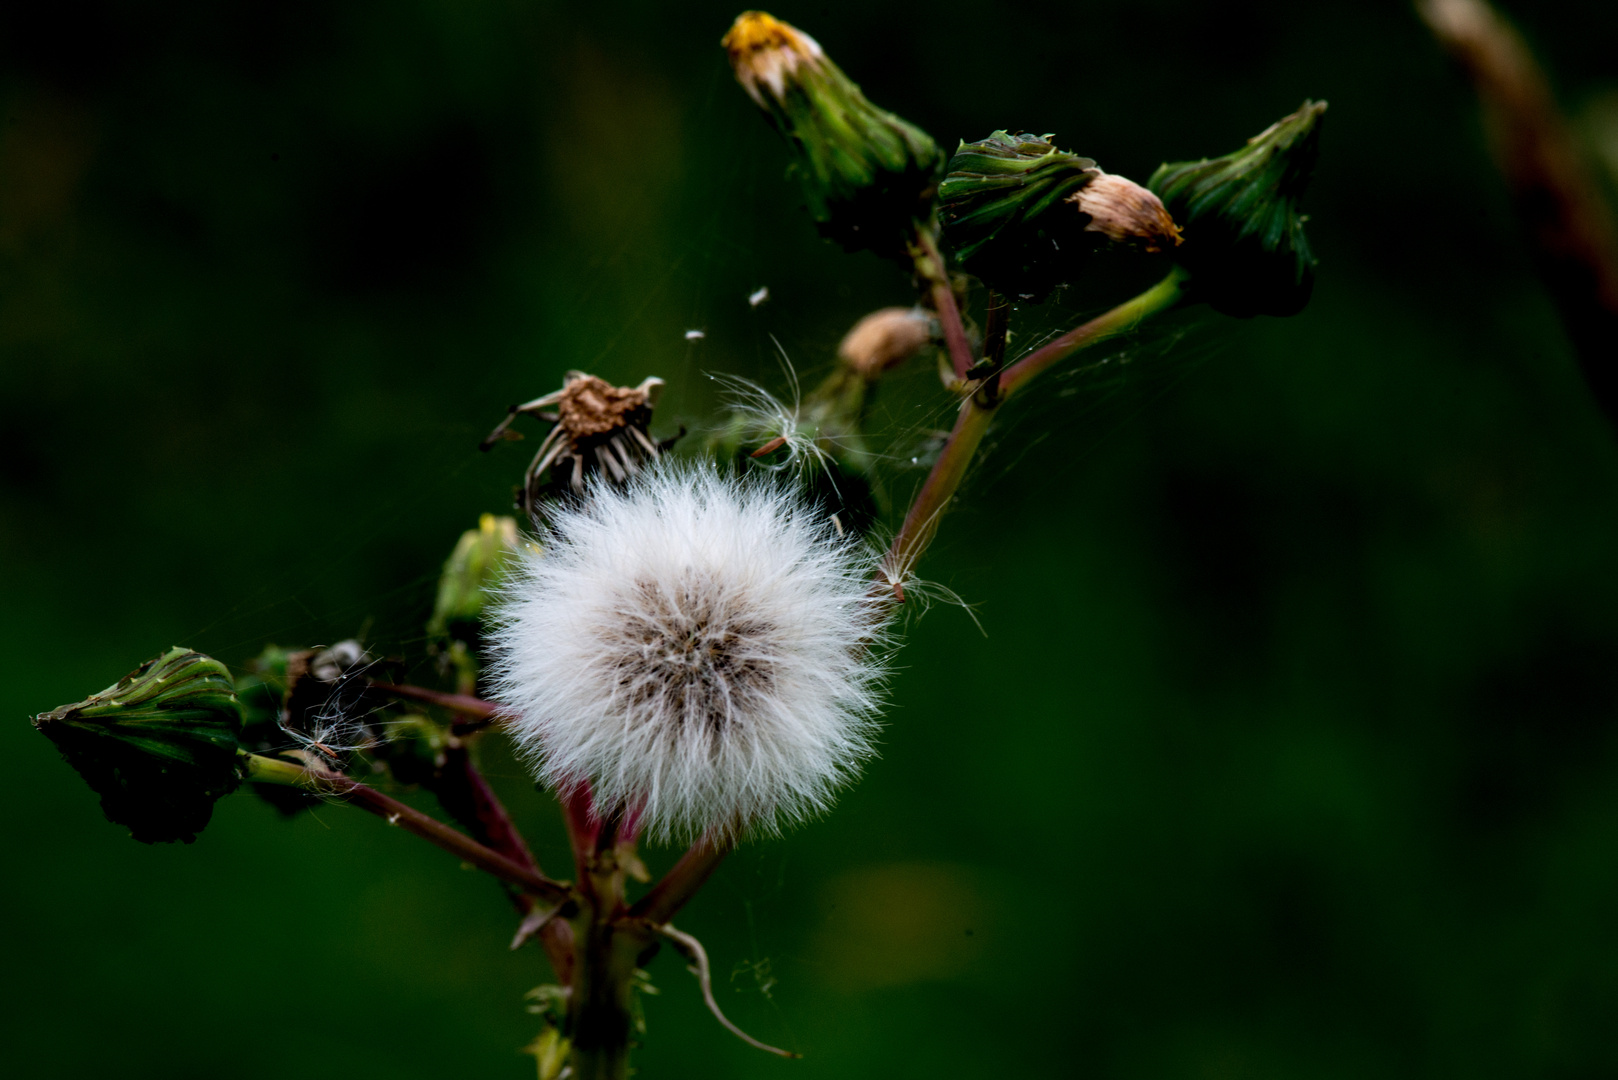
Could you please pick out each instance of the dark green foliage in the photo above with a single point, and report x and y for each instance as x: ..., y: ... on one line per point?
x: 160, y: 746
x: 1244, y: 240
x: 1004, y: 210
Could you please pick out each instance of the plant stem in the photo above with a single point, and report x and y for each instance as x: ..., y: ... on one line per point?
x: 972, y: 423
x: 480, y: 810
x: 1121, y: 318
x: 681, y: 883
x: 995, y: 332
x: 607, y: 948
x: 266, y: 770
x: 921, y: 521
x: 465, y: 704
x: 601, y: 1005
x: 930, y: 267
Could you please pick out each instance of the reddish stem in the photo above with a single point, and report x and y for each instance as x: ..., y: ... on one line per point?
x: 335, y: 785
x: 496, y: 828
x: 681, y: 883
x: 930, y: 265
x: 465, y: 704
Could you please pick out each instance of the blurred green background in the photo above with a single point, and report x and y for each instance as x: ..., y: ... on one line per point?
x: 1289, y: 751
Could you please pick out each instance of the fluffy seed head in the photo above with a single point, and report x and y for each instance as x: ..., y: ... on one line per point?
x: 701, y: 650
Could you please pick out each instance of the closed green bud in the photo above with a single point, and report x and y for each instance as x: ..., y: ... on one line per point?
x: 1023, y: 216
x: 869, y: 177
x: 160, y: 746
x: 471, y: 571
x: 1244, y: 240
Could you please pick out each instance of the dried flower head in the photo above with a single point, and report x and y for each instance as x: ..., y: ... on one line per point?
x: 599, y: 428
x: 701, y: 650
x: 885, y: 339
x: 1126, y: 213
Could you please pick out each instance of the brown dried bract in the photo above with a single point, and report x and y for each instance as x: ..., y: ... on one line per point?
x: 1126, y: 213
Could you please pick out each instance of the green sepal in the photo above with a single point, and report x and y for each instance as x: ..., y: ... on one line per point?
x: 1001, y: 205
x: 160, y: 746
x: 1244, y: 241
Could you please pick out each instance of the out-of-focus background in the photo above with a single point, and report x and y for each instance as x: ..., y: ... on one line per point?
x: 1288, y: 752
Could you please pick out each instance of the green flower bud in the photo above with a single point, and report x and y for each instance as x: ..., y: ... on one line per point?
x: 160, y: 746
x: 1244, y: 240
x: 1023, y: 216
x: 868, y: 176
x: 480, y: 557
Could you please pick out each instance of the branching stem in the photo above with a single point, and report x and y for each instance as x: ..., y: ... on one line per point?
x: 977, y: 410
x: 266, y: 770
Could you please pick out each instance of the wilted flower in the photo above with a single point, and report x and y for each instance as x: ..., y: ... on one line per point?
x: 1126, y: 213
x: 868, y: 176
x: 1244, y: 239
x: 598, y: 428
x: 702, y: 650
x: 885, y: 339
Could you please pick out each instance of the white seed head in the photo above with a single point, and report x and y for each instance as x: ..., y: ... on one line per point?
x: 701, y: 650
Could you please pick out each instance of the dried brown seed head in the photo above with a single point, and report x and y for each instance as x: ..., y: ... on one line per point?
x: 591, y: 406
x: 1126, y: 213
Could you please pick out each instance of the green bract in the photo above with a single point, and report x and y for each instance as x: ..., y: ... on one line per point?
x: 1001, y: 207
x: 159, y: 746
x: 868, y: 176
x: 473, y: 568
x: 1244, y: 240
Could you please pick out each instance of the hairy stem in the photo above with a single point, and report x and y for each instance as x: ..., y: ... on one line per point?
x: 606, y: 948
x: 266, y: 770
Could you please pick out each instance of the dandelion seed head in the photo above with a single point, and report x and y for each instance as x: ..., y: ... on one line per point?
x: 701, y: 650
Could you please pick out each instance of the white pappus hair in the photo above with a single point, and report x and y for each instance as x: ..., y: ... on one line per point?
x: 704, y: 651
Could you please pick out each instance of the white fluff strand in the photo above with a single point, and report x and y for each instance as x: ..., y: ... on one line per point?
x: 704, y: 651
